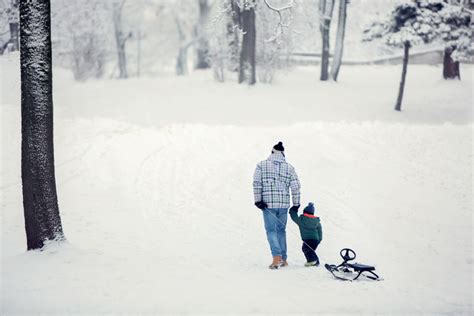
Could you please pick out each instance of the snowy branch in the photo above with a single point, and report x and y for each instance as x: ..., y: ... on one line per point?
x: 281, y: 25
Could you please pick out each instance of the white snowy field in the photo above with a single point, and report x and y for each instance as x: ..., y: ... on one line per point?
x: 154, y: 181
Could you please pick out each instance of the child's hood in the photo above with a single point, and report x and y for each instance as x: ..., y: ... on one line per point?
x: 316, y: 218
x: 310, y: 219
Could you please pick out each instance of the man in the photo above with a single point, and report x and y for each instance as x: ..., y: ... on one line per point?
x: 272, y: 181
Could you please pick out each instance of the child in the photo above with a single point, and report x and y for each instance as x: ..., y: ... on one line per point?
x: 311, y: 233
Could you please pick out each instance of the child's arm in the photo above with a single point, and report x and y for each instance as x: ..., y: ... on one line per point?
x: 294, y: 216
x: 320, y: 232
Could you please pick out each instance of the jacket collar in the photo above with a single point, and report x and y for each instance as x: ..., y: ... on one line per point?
x: 277, y: 157
x: 309, y: 215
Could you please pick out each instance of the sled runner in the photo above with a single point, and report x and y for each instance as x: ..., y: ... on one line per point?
x: 351, y: 271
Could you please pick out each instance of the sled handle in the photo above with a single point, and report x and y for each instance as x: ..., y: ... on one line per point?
x: 347, y: 254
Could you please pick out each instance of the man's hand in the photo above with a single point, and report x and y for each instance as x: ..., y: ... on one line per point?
x: 294, y: 208
x: 261, y: 205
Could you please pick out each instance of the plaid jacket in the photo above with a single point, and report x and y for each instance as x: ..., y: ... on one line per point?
x: 272, y: 181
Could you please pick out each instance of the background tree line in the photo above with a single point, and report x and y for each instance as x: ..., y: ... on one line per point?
x: 224, y: 35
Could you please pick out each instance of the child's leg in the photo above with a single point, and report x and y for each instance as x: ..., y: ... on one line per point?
x: 316, y: 244
x: 308, y: 250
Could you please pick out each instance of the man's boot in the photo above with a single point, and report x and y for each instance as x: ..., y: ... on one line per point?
x: 276, y: 263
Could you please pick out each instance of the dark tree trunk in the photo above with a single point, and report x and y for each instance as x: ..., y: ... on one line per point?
x: 450, y: 67
x: 122, y: 59
x: 406, y: 54
x: 42, y: 220
x: 326, y: 8
x: 202, y: 47
x: 341, y: 29
x: 247, y: 52
x: 14, y: 29
x: 233, y: 37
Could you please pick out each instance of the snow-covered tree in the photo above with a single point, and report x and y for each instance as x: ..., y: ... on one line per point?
x: 456, y: 33
x: 268, y: 48
x: 202, y: 44
x: 189, y: 32
x: 81, y: 36
x: 411, y: 23
x: 260, y: 52
x: 341, y: 30
x: 40, y: 203
x: 184, y: 44
x: 121, y: 37
x: 274, y: 37
x: 4, y: 28
x: 11, y: 8
x: 247, y: 68
x: 224, y: 44
x: 326, y: 8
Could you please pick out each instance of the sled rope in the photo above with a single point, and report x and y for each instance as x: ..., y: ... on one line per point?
x: 293, y: 232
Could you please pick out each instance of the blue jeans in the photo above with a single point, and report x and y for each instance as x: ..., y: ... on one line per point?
x: 275, y: 226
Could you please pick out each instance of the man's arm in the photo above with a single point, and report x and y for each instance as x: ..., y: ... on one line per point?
x: 257, y: 184
x: 295, y: 187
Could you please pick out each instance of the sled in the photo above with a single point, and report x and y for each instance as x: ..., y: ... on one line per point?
x: 347, y: 271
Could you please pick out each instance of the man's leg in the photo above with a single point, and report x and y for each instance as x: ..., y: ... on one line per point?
x: 270, y: 221
x: 281, y: 231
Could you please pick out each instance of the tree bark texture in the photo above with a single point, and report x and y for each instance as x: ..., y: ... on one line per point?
x: 40, y: 203
x: 406, y: 54
x: 450, y: 67
x: 341, y: 29
x: 326, y: 8
x: 202, y: 47
x: 233, y: 39
x: 247, y: 52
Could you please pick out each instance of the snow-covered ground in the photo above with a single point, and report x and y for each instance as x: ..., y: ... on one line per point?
x: 154, y: 181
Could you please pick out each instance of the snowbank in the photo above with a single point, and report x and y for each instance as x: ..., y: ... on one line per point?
x: 154, y: 185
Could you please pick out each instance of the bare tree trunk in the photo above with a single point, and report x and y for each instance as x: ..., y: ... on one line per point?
x: 233, y: 25
x: 182, y: 58
x: 181, y: 62
x: 120, y: 40
x: 14, y: 30
x: 406, y: 50
x: 40, y: 203
x: 450, y: 67
x: 326, y: 8
x: 341, y: 29
x: 202, y: 47
x: 247, y: 52
x: 14, y: 24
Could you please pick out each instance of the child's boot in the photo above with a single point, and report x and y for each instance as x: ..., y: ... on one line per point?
x: 311, y: 264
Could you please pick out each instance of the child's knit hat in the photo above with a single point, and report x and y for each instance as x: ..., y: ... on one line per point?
x: 309, y: 209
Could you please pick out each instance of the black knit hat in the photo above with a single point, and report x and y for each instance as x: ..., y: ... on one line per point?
x: 309, y: 209
x: 279, y: 147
